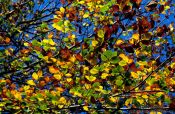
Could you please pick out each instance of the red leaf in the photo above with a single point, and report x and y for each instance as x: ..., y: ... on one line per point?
x: 65, y: 53
x: 79, y: 57
x: 115, y: 8
x: 126, y: 8
x: 62, y: 1
x: 93, y: 99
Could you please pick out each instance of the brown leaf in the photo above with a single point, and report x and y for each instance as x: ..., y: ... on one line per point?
x: 65, y: 53
x: 115, y: 8
x: 62, y: 1
x: 151, y: 6
x: 79, y: 57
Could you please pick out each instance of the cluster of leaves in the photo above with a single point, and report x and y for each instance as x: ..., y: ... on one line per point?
x: 86, y: 55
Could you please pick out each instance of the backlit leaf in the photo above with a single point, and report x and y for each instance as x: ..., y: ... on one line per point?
x: 90, y: 78
x: 31, y: 82
x: 57, y: 76
x: 86, y: 108
x: 100, y: 33
x: 94, y: 71
x: 53, y: 69
x: 134, y: 75
x: 35, y: 76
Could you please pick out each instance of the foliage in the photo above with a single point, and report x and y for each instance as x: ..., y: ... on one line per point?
x: 86, y: 55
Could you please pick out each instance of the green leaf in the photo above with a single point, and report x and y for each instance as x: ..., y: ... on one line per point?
x: 96, y: 84
x: 119, y: 82
x: 115, y: 60
x: 104, y: 58
x: 35, y: 43
x: 101, y: 33
x: 122, y: 63
x: 104, y: 9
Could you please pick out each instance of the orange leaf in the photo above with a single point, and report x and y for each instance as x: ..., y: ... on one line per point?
x: 50, y: 35
x: 53, y: 69
x: 79, y: 57
x: 7, y: 40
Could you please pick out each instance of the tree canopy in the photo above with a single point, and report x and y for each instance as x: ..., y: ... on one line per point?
x: 91, y: 56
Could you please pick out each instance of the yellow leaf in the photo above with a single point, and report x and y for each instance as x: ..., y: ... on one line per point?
x: 62, y: 100
x: 60, y: 28
x: 31, y: 82
x: 134, y: 75
x: 72, y: 59
x: 69, y: 79
x: 66, y: 23
x: 118, y: 42
x: 90, y: 78
x: 18, y: 96
x: 112, y: 99
x: 85, y: 108
x: 62, y: 10
x: 142, y: 63
x: 68, y: 75
x: 101, y: 33
x: 87, y: 86
x: 57, y: 76
x: 124, y: 57
x: 128, y: 101
x: 93, y: 71
x: 145, y: 96
x: 135, y: 36
x: 81, y: 2
x: 94, y: 43
x: 73, y: 36
x: 53, y: 70
x: 153, y: 112
x: 122, y: 63
x: 140, y: 100
x: 86, y: 15
x: 40, y: 73
x: 172, y: 65
x: 51, y: 42
x: 60, y: 106
x: 26, y: 87
x: 46, y: 41
x: 167, y: 7
x: 104, y: 75
x: 35, y: 76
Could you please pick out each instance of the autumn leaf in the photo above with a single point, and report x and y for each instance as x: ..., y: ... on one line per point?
x: 134, y: 75
x: 31, y: 82
x: 100, y: 33
x: 50, y: 35
x: 58, y: 76
x: 90, y: 78
x: 86, y: 108
x: 53, y: 69
x: 94, y: 71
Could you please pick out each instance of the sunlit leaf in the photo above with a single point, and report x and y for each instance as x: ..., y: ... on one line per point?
x: 86, y: 108
x: 104, y: 75
x: 35, y: 76
x: 94, y: 43
x: 58, y: 76
x: 90, y: 78
x: 100, y: 33
x: 31, y: 82
x: 62, y: 10
x: 122, y: 63
x: 53, y: 69
x: 134, y: 75
x: 62, y: 100
x: 94, y: 71
x: 50, y: 35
